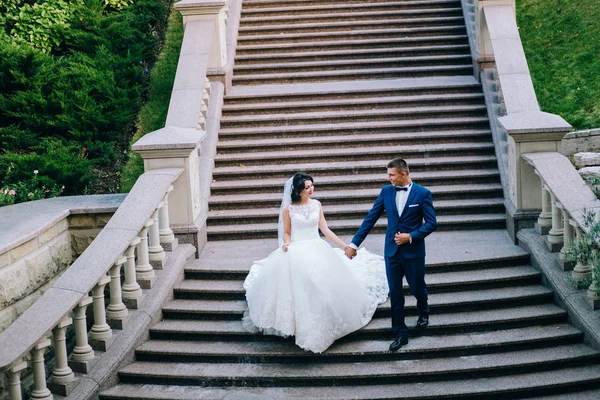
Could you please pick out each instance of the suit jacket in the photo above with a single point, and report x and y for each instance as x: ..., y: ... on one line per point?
x: 418, y: 219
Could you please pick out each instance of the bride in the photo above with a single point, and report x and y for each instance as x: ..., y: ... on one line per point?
x: 305, y: 288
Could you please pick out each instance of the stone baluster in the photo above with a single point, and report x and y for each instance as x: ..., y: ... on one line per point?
x: 14, y: 380
x: 62, y: 376
x: 61, y: 373
x: 555, y: 235
x: 116, y: 312
x: 132, y: 292
x: 100, y: 333
x: 567, y: 241
x: 580, y: 271
x: 167, y: 238
x: 203, y: 110
x: 144, y: 272
x: 40, y: 389
x: 544, y: 221
x: 155, y: 250
x: 83, y: 353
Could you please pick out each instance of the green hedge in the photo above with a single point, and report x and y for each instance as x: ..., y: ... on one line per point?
x: 70, y: 94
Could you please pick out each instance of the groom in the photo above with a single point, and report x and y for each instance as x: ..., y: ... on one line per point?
x: 410, y: 218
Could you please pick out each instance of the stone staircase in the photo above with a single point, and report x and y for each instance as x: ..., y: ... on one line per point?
x: 310, y: 96
x: 344, y: 134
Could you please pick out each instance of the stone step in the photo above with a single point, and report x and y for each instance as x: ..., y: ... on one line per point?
x: 260, y: 4
x: 351, y: 211
x: 361, y: 350
x: 360, y: 73
x: 332, y: 65
x: 340, y: 182
x: 379, y: 372
x: 525, y: 384
x: 473, y: 300
x: 251, y: 9
x: 446, y: 323
x: 351, y: 54
x: 214, y: 270
x: 345, y: 103
x: 340, y: 22
x: 444, y: 282
x: 416, y: 33
x: 350, y: 128
x: 298, y: 15
x: 349, y: 43
x: 353, y: 154
x: 357, y: 140
x: 438, y: 86
x: 350, y: 226
x: 376, y: 166
x: 368, y: 196
x: 344, y: 115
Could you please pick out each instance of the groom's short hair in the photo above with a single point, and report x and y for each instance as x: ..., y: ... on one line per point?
x: 399, y: 164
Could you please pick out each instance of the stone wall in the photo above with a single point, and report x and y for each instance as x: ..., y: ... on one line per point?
x: 580, y: 141
x: 27, y: 270
x: 84, y: 228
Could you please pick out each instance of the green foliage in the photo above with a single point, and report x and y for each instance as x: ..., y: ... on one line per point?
x: 117, y: 4
x: 154, y: 113
x: 69, y: 109
x: 561, y: 39
x: 585, y: 249
x: 41, y: 25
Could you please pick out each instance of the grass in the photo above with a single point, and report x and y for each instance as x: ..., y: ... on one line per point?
x: 154, y: 113
x: 561, y: 39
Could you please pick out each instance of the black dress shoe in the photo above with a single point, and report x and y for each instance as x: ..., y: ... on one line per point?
x: 423, y: 321
x: 399, y: 342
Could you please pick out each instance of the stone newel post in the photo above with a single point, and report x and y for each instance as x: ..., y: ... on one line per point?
x: 176, y: 147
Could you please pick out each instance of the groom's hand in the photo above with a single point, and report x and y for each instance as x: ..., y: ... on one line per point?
x: 401, y: 238
x: 350, y: 252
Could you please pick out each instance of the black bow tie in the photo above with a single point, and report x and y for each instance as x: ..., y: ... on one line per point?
x: 401, y: 188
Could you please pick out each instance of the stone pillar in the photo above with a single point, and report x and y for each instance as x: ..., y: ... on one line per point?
x: 144, y: 272
x: 175, y: 147
x: 155, y: 250
x: 14, y: 380
x: 100, y: 333
x: 116, y: 311
x: 62, y: 380
x: 555, y: 235
x: 83, y: 353
x: 212, y: 14
x: 486, y: 52
x: 132, y: 293
x: 544, y: 221
x: 40, y: 389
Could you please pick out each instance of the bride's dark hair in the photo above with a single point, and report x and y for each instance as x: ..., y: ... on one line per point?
x: 298, y: 185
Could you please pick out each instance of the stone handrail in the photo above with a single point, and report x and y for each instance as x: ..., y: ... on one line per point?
x: 565, y: 200
x: 522, y: 126
x: 140, y: 225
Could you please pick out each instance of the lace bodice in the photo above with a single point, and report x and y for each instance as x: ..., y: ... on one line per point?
x: 305, y: 220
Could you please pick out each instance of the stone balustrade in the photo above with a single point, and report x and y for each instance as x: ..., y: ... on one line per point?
x: 167, y: 205
x: 521, y: 126
x: 565, y: 199
x: 44, y: 324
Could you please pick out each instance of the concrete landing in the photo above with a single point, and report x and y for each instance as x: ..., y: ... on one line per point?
x: 442, y: 247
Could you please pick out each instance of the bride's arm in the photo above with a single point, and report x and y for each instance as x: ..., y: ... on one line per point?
x: 328, y: 232
x: 287, y: 229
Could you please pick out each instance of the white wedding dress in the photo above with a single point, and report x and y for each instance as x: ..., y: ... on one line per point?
x: 313, y: 292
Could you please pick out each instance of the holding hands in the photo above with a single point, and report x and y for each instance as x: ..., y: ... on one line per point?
x: 350, y: 252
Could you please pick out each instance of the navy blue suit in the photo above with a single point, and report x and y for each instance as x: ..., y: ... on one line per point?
x: 418, y: 219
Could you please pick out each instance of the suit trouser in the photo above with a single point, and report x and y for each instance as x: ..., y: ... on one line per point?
x: 414, y: 269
